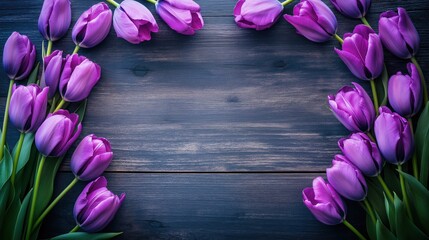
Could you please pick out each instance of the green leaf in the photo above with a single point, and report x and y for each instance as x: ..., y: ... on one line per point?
x: 406, y: 229
x: 11, y: 215
x: 19, y: 225
x: 81, y: 110
x: 370, y: 228
x: 392, y: 179
x: 4, y: 196
x: 422, y: 145
x: 24, y: 156
x: 43, y: 50
x: 375, y: 197
x: 383, y: 233
x: 381, y: 86
x: 86, y: 236
x: 26, y: 175
x: 390, y: 210
x: 34, y: 74
x: 6, y: 167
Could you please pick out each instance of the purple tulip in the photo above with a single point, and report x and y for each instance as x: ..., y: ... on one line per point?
x: 353, y: 108
x: 134, y: 22
x: 54, y: 19
x: 352, y: 8
x: 362, y: 53
x: 324, y: 202
x: 314, y: 20
x: 257, y: 14
x: 398, y: 34
x: 347, y: 179
x: 53, y: 66
x: 363, y: 153
x: 96, y: 206
x: 91, y: 157
x: 57, y: 133
x: 394, y: 137
x: 92, y: 26
x: 19, y: 55
x: 405, y: 92
x: 78, y: 78
x: 28, y: 107
x: 183, y: 16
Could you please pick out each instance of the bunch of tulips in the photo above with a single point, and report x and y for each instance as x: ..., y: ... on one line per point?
x: 385, y: 161
x: 48, y: 108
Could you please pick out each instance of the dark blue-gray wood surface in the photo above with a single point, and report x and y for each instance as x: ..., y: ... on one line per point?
x: 214, y: 135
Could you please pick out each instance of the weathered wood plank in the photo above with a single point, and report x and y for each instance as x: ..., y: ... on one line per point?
x: 207, y: 206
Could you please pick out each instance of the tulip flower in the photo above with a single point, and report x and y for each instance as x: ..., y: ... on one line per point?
x: 92, y: 26
x: 352, y: 8
x: 363, y: 153
x: 57, y: 133
x: 362, y: 53
x: 183, y: 16
x: 324, y: 202
x: 19, y: 55
x: 314, y: 20
x: 96, y: 206
x: 53, y: 66
x: 353, y: 108
x: 394, y: 137
x: 398, y: 34
x: 257, y: 14
x: 28, y: 107
x: 134, y: 22
x: 78, y: 78
x: 54, y: 19
x: 91, y: 157
x: 405, y: 92
x: 347, y: 179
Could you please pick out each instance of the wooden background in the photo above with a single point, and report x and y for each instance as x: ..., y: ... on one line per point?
x: 214, y: 135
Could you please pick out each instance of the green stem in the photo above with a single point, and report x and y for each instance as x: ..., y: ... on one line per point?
x: 152, y: 1
x: 16, y: 158
x: 49, y: 49
x: 422, y: 79
x: 404, y: 192
x: 385, y: 188
x: 76, y: 49
x: 287, y: 2
x: 370, y: 211
x: 5, y: 120
x: 354, y: 230
x: 363, y: 19
x: 75, y: 228
x: 339, y: 39
x: 414, y: 161
x: 60, y: 105
x: 374, y: 95
x: 54, y: 103
x: 34, y: 197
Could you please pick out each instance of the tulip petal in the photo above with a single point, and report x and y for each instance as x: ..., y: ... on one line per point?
x: 353, y: 63
x: 374, y: 58
x: 308, y: 28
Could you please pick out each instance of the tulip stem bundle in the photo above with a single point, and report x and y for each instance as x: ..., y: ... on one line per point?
x: 5, y: 120
x: 354, y: 230
x: 287, y: 2
x: 370, y: 210
x: 385, y: 188
x: 404, y: 192
x: 422, y: 79
x: 16, y: 157
x: 374, y: 95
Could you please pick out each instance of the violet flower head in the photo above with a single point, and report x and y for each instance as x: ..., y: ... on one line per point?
x: 93, y: 26
x: 53, y: 66
x: 57, y: 133
x: 28, y: 106
x: 19, y: 55
x: 91, y: 157
x: 405, y: 92
x: 324, y: 202
x: 96, y: 206
x: 363, y: 153
x: 398, y: 34
x: 183, y: 16
x: 394, y: 137
x: 314, y: 20
x: 352, y: 8
x: 257, y: 14
x: 54, y: 19
x: 134, y: 22
x: 362, y: 52
x: 78, y: 78
x: 353, y: 108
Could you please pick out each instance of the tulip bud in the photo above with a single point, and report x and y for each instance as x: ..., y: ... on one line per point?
x: 405, y: 92
x: 92, y: 26
x: 134, y: 22
x: 53, y: 65
x: 28, y: 107
x: 78, y: 78
x: 394, y: 137
x: 257, y: 14
x: 353, y: 108
x: 352, y: 8
x: 314, y: 20
x: 96, y: 206
x: 91, y: 157
x: 187, y: 21
x: 54, y: 19
x: 347, y: 179
x: 57, y: 133
x: 363, y: 153
x: 398, y: 34
x: 19, y: 55
x: 362, y: 53
x: 324, y: 202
